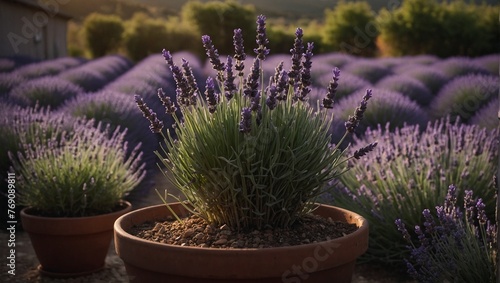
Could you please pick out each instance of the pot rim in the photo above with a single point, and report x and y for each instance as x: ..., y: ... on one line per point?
x: 362, y: 229
x: 125, y: 205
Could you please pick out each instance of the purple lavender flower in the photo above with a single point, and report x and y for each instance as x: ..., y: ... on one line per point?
x: 189, y: 76
x: 246, y: 120
x: 156, y: 125
x: 239, y: 52
x: 213, y: 56
x: 481, y: 214
x: 271, y: 100
x: 306, y: 73
x: 167, y: 102
x: 332, y: 88
x: 354, y: 120
x: 252, y: 83
x: 364, y: 150
x: 279, y: 80
x: 211, y: 96
x: 184, y: 89
x: 229, y: 86
x: 401, y: 228
x: 297, y: 52
x: 262, y: 51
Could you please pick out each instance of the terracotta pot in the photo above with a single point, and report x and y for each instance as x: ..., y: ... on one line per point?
x: 328, y: 261
x: 71, y: 246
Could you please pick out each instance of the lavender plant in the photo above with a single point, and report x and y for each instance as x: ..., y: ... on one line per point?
x: 454, y: 245
x: 78, y: 173
x: 490, y: 62
x: 8, y: 81
x: 407, y: 86
x: 410, y: 171
x: 48, y: 67
x: 487, y: 116
x: 433, y: 79
x: 95, y: 74
x: 45, y: 91
x: 368, y: 69
x: 253, y: 153
x: 465, y: 95
x: 460, y: 66
x: 117, y: 110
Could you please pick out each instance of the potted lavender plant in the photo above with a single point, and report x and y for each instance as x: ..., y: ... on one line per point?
x: 250, y: 159
x: 72, y: 184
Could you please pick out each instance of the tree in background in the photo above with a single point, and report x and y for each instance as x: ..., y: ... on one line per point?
x: 444, y: 29
x: 145, y: 36
x: 219, y: 19
x: 102, y: 33
x: 351, y: 28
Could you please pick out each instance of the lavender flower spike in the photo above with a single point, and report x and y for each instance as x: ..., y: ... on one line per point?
x: 332, y: 89
x: 184, y: 87
x: 246, y: 120
x: 211, y: 96
x: 271, y: 100
x: 213, y: 55
x: 229, y: 86
x: 239, y: 52
x: 167, y: 103
x: 156, y: 124
x: 305, y: 75
x: 261, y: 40
x: 250, y: 88
x: 297, y: 50
x: 401, y: 228
x: 364, y: 150
x: 353, y: 121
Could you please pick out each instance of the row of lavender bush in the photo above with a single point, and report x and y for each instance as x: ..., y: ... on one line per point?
x: 435, y: 120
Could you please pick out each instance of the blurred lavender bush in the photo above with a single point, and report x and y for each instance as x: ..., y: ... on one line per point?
x: 8, y: 81
x: 95, y: 74
x: 368, y: 69
x: 410, y: 87
x: 487, y: 116
x: 45, y: 91
x: 454, y: 245
x: 118, y: 110
x: 465, y: 95
x: 410, y: 171
x: 48, y: 67
x: 432, y: 78
x: 460, y: 66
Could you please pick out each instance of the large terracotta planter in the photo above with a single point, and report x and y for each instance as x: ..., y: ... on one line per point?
x: 69, y: 247
x: 329, y: 261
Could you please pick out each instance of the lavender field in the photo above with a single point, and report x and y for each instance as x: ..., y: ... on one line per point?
x: 435, y: 119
